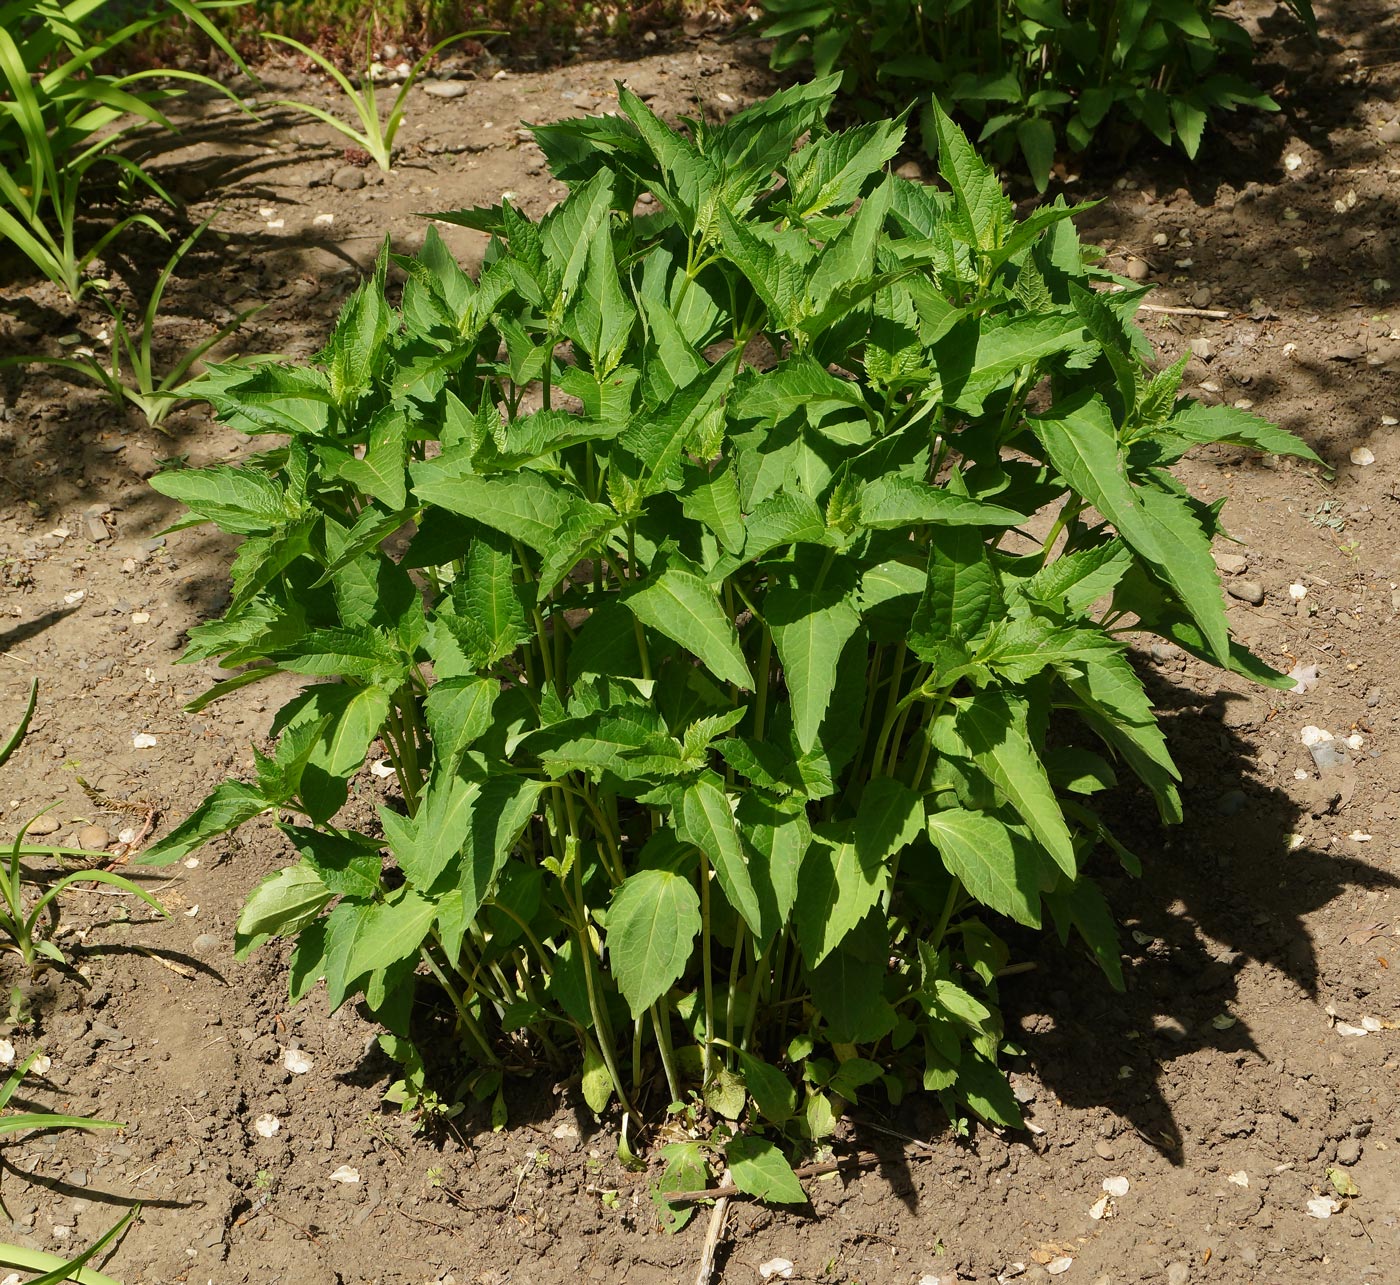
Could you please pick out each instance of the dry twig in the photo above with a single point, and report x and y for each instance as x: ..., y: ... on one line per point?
x: 724, y: 1192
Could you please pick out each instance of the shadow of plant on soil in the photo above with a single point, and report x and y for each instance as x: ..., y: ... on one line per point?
x: 1219, y: 891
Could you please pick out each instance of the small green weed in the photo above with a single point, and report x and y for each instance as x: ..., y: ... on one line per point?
x: 374, y: 136
x: 130, y: 377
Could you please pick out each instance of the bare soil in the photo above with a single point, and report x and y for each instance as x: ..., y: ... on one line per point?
x: 1223, y: 1085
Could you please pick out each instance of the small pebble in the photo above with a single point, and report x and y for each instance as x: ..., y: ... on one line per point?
x: 1103, y: 1149
x: 1137, y: 270
x: 1390, y: 131
x: 1250, y: 591
x: 349, y: 178
x: 1231, y: 802
x: 1171, y: 1027
x: 46, y: 824
x: 1232, y: 564
x: 205, y: 944
x: 94, y: 838
x: 1178, y: 1273
x: 1348, y: 1151
x: 443, y: 88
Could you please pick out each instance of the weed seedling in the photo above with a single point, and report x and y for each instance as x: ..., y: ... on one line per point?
x: 374, y: 137
x: 130, y: 376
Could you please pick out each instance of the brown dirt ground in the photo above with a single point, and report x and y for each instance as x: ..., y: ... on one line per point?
x: 1219, y: 1086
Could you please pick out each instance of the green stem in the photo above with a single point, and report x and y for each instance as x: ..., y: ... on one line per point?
x: 950, y: 904
x: 466, y: 1020
x: 707, y: 966
x: 602, y: 1026
x: 661, y: 1024
x: 765, y: 663
x: 756, y: 988
x: 891, y: 710
x: 736, y: 958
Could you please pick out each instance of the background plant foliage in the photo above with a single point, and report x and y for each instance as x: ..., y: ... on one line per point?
x: 64, y: 113
x: 1035, y: 75
x: 336, y: 27
x: 735, y: 711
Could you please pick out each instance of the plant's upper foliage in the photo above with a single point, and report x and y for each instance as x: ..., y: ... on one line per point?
x: 754, y: 541
x: 1035, y: 74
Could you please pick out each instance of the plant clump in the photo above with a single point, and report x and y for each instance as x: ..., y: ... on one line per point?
x: 1037, y: 76
x: 761, y: 640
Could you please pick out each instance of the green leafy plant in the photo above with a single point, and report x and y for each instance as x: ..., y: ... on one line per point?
x: 747, y: 671
x: 129, y: 377
x: 20, y: 913
x: 374, y: 136
x: 1034, y: 74
x: 60, y: 117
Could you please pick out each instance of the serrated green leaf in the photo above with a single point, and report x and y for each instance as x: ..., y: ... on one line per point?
x: 1075, y: 582
x: 847, y: 991
x: 526, y: 506
x: 844, y: 877
x: 985, y: 1090
x: 979, y: 851
x: 678, y: 602
x: 353, y: 718
x: 1111, y: 697
x: 1200, y: 423
x: 712, y: 498
x: 347, y: 863
x: 458, y: 711
x: 353, y: 351
x: 984, y: 215
x: 380, y: 473
x: 284, y: 902
x: 830, y: 173
x: 1082, y: 443
x: 810, y: 629
x: 653, y: 920
x: 1017, y: 650
x: 658, y: 436
x: 893, y: 502
x: 391, y: 930
x: 707, y: 820
x: 226, y: 808
x: 756, y: 1166
x: 962, y: 591
x: 993, y: 725
x: 1081, y: 905
x: 364, y: 654
x: 242, y: 501
x: 772, y: 1092
x: 457, y: 816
